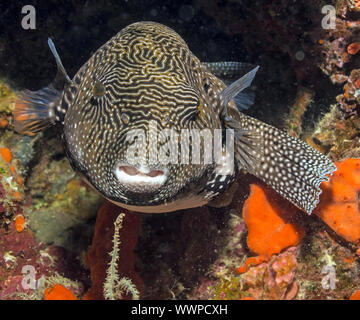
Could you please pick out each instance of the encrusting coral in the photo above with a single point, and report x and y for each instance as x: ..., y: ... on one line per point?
x: 275, y: 279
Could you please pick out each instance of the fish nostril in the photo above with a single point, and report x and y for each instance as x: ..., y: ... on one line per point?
x: 130, y: 170
x: 155, y: 173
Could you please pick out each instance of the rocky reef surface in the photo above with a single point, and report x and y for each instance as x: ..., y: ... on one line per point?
x: 56, y: 233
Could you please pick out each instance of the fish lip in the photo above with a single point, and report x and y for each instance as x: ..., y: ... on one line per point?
x: 140, y: 178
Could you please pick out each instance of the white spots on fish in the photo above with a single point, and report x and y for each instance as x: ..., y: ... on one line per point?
x: 149, y: 73
x: 291, y: 167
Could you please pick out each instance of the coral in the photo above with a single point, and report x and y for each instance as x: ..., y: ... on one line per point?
x: 294, y: 121
x: 271, y: 221
x: 277, y: 277
x: 350, y: 99
x: 337, y: 135
x: 20, y: 251
x: 23, y: 258
x: 339, y: 206
x: 251, y: 262
x: 114, y: 286
x: 122, y: 261
x: 269, y: 280
x: 326, y: 268
x: 304, y: 272
x: 354, y: 5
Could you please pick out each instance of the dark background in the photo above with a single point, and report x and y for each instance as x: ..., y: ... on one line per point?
x: 261, y: 32
x: 79, y: 27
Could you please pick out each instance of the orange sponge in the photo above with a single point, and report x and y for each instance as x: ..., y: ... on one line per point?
x: 355, y: 295
x: 20, y: 223
x: 58, y: 292
x: 6, y: 154
x: 271, y: 222
x: 339, y: 202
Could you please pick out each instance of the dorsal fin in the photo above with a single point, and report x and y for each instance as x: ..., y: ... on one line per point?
x: 228, y: 71
x: 61, y: 75
x: 231, y: 91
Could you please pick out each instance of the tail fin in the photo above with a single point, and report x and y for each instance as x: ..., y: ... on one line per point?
x: 290, y: 166
x: 35, y: 110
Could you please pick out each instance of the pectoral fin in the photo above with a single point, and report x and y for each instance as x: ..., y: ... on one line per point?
x: 37, y: 110
x: 245, y: 141
x: 230, y: 71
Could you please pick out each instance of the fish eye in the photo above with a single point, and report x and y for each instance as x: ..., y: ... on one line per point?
x: 198, y: 109
x: 206, y: 87
x: 98, y: 89
x: 199, y: 106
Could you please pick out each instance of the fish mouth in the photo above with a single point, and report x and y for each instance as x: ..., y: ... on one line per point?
x: 140, y: 178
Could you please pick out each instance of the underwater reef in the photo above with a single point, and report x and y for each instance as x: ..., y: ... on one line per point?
x: 61, y: 240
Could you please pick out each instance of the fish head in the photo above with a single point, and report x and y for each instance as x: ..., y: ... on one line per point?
x: 131, y: 133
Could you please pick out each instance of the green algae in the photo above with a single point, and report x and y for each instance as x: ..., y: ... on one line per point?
x: 7, y: 98
x: 226, y: 289
x: 63, y: 205
x: 340, y: 135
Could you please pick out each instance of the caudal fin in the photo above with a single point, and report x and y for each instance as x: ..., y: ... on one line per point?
x: 35, y: 110
x: 290, y: 166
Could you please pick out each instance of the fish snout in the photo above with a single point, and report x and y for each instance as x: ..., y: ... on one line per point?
x: 140, y: 178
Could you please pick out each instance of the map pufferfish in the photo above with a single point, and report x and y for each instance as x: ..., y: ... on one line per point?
x: 146, y: 75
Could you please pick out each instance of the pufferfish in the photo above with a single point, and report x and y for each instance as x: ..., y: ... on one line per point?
x: 146, y: 75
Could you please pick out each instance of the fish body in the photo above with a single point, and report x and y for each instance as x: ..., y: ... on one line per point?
x: 132, y: 114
